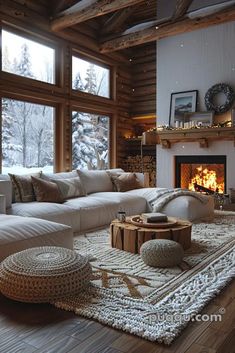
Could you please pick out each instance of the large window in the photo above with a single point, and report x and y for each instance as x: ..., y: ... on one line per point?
x: 90, y: 141
x: 27, y: 137
x: 27, y: 58
x: 90, y: 78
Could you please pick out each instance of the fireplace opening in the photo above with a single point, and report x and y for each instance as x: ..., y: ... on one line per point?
x: 201, y: 173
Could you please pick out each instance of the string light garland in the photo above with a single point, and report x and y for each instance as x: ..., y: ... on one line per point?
x: 227, y: 123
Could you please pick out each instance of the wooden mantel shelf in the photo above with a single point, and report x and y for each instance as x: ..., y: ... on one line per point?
x: 203, y: 136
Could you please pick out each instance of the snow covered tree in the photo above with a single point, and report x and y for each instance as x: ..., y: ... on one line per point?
x: 89, y: 141
x: 77, y: 82
x: 42, y: 136
x: 91, y: 80
x: 23, y: 66
x: 8, y: 145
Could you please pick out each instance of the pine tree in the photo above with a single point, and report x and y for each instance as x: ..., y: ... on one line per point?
x: 23, y: 66
x: 77, y: 82
x: 91, y: 82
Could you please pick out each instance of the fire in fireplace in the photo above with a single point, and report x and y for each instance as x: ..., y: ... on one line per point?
x: 206, y: 171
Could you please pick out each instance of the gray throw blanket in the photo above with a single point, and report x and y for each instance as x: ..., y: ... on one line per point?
x: 163, y: 196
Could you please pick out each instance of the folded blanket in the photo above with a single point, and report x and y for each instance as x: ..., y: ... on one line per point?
x: 163, y: 196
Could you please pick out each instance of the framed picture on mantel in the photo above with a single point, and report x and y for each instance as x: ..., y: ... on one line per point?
x: 181, y: 103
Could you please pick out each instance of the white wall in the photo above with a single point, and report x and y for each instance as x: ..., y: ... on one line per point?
x: 194, y: 60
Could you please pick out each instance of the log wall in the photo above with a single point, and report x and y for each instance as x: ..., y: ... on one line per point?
x: 144, y: 81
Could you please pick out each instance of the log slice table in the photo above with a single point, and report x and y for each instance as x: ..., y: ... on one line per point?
x: 129, y: 237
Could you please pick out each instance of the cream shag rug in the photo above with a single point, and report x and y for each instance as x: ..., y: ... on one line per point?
x: 129, y: 295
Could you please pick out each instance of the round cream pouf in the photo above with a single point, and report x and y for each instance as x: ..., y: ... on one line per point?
x: 42, y: 274
x: 161, y: 253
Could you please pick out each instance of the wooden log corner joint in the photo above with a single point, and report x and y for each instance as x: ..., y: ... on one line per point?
x: 129, y: 237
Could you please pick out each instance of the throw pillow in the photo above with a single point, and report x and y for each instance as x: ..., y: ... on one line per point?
x: 95, y: 181
x: 126, y: 182
x: 70, y: 188
x: 22, y: 185
x: 46, y: 191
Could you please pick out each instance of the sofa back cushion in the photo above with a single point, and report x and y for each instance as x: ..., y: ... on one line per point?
x: 70, y: 188
x: 23, y: 187
x: 6, y: 190
x: 46, y: 191
x: 61, y: 175
x: 115, y: 171
x: 95, y: 181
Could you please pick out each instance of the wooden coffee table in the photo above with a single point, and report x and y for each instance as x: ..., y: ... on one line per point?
x: 129, y: 237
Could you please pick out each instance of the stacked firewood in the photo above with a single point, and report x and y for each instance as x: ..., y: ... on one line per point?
x: 138, y: 164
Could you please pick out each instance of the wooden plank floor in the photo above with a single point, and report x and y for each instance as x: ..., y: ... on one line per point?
x: 39, y: 328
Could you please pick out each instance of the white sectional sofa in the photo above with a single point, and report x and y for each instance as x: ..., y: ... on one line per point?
x: 19, y: 233
x: 100, y: 205
x: 29, y: 224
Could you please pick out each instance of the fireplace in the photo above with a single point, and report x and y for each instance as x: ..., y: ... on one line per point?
x: 206, y: 171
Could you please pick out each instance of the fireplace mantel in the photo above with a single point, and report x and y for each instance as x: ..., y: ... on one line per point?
x: 203, y: 136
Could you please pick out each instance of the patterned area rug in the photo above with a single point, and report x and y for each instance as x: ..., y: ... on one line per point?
x: 154, y: 303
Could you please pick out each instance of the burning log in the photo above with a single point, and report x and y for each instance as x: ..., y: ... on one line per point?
x: 201, y: 188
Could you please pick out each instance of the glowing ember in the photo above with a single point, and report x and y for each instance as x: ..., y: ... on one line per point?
x: 206, y: 178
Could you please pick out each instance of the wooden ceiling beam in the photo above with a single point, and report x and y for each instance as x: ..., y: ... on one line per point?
x: 59, y: 5
x: 99, y: 8
x: 181, y: 8
x: 167, y: 29
x: 116, y: 21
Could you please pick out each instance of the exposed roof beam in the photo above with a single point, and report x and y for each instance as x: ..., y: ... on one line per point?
x: 58, y: 5
x: 167, y: 29
x: 181, y: 8
x: 86, y: 10
x: 116, y: 21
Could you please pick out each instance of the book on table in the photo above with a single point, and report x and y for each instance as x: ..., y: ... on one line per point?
x: 154, y: 217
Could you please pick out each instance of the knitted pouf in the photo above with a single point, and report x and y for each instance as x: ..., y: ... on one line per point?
x: 161, y: 253
x: 42, y: 274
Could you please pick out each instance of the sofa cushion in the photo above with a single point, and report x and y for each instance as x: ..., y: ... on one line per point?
x: 125, y: 182
x: 61, y: 175
x: 114, y: 170
x: 6, y: 189
x: 19, y: 233
x: 99, y: 209
x: 23, y: 187
x: 95, y: 180
x: 70, y: 188
x: 46, y: 191
x: 55, y: 212
x: 7, y: 177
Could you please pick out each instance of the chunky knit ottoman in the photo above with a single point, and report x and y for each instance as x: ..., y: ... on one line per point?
x: 42, y: 274
x: 161, y: 253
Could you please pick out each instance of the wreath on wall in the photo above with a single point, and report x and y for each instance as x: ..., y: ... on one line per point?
x: 213, y: 91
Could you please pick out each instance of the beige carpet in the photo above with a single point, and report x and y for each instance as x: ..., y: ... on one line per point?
x: 128, y: 295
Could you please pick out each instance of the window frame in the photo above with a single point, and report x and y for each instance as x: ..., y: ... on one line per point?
x: 31, y: 100
x: 79, y: 55
x: 98, y: 111
x: 42, y: 41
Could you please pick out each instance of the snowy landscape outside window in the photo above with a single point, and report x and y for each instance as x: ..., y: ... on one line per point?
x: 27, y: 137
x: 27, y: 58
x: 90, y: 78
x: 90, y: 141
